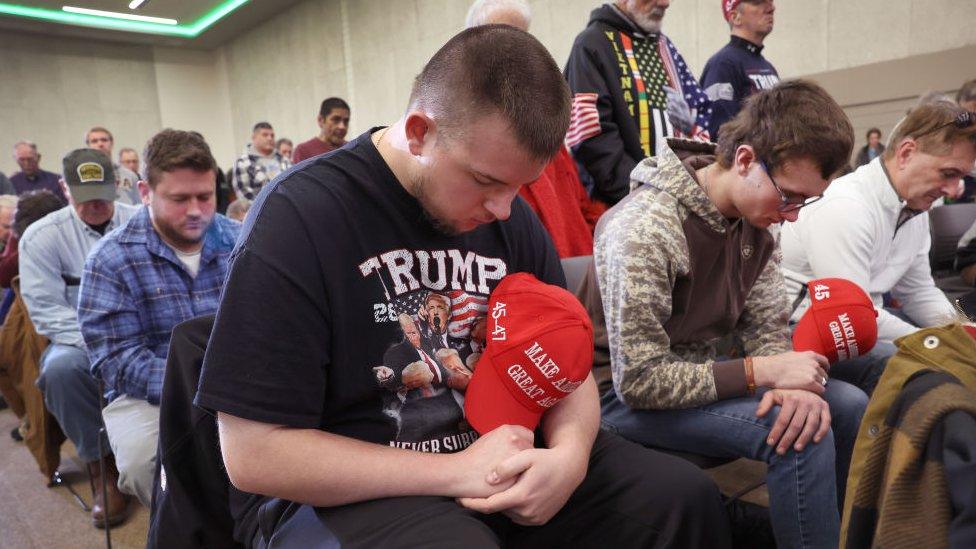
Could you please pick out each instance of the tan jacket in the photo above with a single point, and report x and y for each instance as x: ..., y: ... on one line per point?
x: 20, y: 357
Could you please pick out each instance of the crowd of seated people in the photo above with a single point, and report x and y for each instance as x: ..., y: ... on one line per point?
x: 710, y: 206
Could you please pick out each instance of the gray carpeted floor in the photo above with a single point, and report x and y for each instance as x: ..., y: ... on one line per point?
x: 34, y: 516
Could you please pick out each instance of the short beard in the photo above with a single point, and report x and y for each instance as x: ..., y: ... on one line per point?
x: 418, y: 188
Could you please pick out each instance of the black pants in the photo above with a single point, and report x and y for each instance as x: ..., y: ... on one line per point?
x: 631, y: 497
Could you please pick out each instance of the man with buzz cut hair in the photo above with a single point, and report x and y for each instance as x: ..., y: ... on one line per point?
x: 333, y: 123
x: 298, y: 384
x: 165, y: 266
x: 631, y: 91
x: 687, y: 260
x: 259, y: 164
x: 739, y: 69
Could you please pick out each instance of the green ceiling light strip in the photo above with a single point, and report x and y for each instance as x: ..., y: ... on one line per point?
x: 190, y: 30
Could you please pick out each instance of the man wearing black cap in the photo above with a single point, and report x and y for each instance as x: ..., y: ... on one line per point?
x: 52, y: 255
x: 739, y: 69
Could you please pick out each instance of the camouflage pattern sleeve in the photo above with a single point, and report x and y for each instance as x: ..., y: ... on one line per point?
x: 638, y: 256
x: 764, y: 324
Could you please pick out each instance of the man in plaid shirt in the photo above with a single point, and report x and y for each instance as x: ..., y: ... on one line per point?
x: 165, y: 266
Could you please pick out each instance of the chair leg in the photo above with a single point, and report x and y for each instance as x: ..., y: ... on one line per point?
x: 102, y: 434
x: 57, y: 481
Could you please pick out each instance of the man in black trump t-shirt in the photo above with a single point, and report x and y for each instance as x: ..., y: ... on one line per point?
x: 320, y: 430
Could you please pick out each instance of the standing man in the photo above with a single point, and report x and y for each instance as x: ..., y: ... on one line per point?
x: 52, y: 256
x: 130, y: 159
x: 291, y: 367
x: 166, y: 265
x: 631, y: 90
x: 126, y: 180
x: 739, y: 69
x: 31, y: 177
x: 333, y: 123
x: 260, y: 162
x: 872, y: 226
x: 687, y: 260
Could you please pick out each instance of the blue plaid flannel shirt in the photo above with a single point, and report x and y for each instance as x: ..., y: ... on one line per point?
x: 134, y: 290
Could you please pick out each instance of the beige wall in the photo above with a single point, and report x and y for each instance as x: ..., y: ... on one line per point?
x: 867, y: 52
x: 53, y: 90
x: 368, y: 51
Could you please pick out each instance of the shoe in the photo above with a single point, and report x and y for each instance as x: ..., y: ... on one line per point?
x: 113, y: 503
x: 15, y: 434
x: 751, y: 527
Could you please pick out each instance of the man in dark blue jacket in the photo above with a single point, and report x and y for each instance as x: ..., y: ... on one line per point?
x: 739, y: 69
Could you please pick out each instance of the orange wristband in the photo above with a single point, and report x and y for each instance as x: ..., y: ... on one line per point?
x: 750, y: 375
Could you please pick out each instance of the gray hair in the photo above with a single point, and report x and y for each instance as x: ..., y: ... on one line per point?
x: 481, y: 11
x: 25, y: 143
x: 8, y: 201
x: 239, y: 207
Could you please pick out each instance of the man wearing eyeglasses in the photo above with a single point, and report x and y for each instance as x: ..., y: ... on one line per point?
x: 872, y: 227
x: 686, y: 261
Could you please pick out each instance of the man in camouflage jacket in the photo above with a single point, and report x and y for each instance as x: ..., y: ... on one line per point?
x: 686, y: 261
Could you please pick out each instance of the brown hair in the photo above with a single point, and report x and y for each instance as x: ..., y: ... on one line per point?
x: 932, y: 127
x: 497, y: 69
x: 967, y: 92
x: 32, y: 206
x: 170, y: 150
x: 794, y: 119
x: 99, y: 129
x: 873, y: 130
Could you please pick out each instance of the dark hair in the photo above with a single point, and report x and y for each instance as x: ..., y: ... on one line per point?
x: 32, y: 206
x: 795, y: 119
x: 967, y: 92
x: 283, y: 140
x: 497, y: 69
x: 872, y: 130
x: 332, y: 103
x: 932, y: 127
x: 171, y: 149
x: 262, y: 126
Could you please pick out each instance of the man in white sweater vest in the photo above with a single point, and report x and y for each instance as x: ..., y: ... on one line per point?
x: 872, y: 226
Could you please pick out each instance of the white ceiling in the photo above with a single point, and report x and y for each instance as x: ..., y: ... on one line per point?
x: 184, y: 11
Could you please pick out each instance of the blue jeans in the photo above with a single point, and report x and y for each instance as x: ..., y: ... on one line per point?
x: 803, y: 486
x: 71, y: 395
x: 865, y: 371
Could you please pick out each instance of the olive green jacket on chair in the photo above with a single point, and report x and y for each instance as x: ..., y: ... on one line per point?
x: 897, y: 492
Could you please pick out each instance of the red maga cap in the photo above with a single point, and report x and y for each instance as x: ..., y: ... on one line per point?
x: 540, y: 349
x: 728, y: 6
x: 841, y: 322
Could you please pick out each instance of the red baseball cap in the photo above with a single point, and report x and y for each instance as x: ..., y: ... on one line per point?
x: 841, y: 322
x: 728, y: 6
x: 539, y: 350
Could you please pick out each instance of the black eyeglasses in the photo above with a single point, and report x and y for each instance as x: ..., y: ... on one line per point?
x: 962, y: 121
x: 788, y: 205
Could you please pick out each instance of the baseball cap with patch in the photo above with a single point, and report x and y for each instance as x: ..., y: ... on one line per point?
x: 841, y: 322
x: 89, y: 175
x: 539, y: 350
